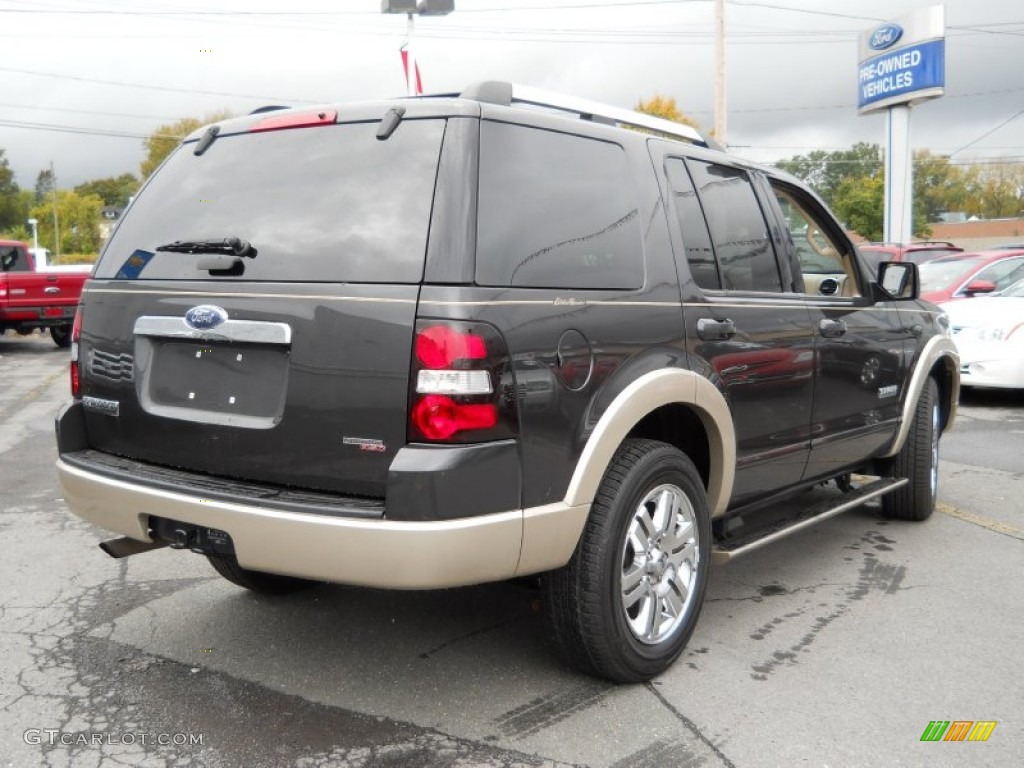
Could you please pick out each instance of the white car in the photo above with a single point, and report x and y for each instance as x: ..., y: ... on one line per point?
x: 989, y: 335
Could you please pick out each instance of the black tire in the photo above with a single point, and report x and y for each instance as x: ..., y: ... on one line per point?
x: 586, y: 601
x: 256, y: 581
x: 917, y: 461
x: 61, y: 335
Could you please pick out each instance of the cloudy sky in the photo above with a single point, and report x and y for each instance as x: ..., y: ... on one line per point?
x: 83, y: 81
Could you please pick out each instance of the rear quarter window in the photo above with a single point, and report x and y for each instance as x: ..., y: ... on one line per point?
x: 555, y: 211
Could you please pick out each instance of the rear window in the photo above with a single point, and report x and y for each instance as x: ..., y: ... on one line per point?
x: 322, y: 204
x: 13, y: 259
x: 555, y: 211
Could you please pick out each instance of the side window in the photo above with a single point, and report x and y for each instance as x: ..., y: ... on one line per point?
x: 555, y: 211
x: 738, y: 229
x: 1003, y: 273
x: 694, y: 230
x: 826, y: 272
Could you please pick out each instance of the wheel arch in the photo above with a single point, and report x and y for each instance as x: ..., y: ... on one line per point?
x: 939, y: 360
x: 552, y: 532
x: 659, y: 405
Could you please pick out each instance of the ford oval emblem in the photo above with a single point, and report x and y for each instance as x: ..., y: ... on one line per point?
x: 205, y: 317
x: 885, y: 37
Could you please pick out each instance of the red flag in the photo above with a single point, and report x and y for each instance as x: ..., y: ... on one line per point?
x: 416, y: 68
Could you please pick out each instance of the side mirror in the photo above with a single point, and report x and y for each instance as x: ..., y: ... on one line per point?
x: 979, y: 286
x: 899, y: 279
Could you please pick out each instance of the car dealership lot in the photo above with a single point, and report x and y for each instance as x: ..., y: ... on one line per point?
x: 834, y: 647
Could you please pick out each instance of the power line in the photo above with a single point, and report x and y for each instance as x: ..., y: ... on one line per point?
x: 988, y: 133
x: 82, y: 130
x: 209, y: 12
x: 88, y: 112
x: 79, y: 78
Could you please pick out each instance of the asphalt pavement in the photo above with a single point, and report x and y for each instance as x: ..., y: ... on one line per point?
x: 835, y: 647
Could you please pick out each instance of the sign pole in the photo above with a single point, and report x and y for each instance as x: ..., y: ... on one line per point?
x: 899, y: 177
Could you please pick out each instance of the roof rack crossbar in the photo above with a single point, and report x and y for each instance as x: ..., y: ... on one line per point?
x: 507, y: 94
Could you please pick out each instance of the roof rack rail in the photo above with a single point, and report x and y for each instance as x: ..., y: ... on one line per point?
x: 506, y: 94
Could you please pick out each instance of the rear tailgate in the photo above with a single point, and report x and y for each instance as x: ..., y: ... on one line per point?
x: 303, y: 385
x: 293, y: 367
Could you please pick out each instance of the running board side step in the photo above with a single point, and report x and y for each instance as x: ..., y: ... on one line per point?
x: 726, y: 551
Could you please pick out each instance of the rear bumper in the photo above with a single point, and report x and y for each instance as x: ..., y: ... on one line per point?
x: 376, y: 553
x: 43, y: 316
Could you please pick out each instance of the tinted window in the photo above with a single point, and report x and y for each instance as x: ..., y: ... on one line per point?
x: 873, y: 258
x: 738, y: 230
x: 319, y: 204
x: 555, y: 211
x: 13, y: 259
x: 692, y: 225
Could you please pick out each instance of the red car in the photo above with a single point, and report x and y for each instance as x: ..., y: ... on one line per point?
x: 919, y: 252
x: 969, y: 274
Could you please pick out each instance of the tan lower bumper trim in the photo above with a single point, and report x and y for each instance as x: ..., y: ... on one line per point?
x: 375, y: 553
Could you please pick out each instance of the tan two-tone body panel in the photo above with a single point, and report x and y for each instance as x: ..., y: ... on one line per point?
x: 419, y: 555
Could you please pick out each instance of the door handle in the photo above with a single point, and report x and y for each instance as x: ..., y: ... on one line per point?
x: 832, y: 329
x: 715, y: 330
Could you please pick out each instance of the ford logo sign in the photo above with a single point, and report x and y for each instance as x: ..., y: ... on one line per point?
x: 885, y: 37
x: 205, y: 317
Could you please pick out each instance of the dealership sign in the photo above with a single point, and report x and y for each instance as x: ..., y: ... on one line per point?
x: 902, y: 61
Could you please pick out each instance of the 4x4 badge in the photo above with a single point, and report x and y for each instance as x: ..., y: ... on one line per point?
x: 205, y: 316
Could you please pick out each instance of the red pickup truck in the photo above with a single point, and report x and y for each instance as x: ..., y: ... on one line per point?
x: 31, y: 299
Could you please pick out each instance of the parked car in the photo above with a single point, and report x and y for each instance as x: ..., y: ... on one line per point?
x: 989, y: 334
x: 31, y: 299
x: 431, y: 342
x: 918, y: 252
x: 970, y: 274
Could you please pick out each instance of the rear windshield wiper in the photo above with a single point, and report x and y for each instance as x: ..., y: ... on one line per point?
x: 232, y: 246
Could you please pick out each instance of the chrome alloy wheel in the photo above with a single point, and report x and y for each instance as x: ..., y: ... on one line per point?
x: 659, y: 564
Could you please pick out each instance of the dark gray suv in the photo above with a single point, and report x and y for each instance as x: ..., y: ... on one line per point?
x: 431, y: 342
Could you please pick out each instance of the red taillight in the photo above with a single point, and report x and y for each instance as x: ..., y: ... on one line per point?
x: 461, y: 383
x: 76, y: 332
x: 440, y: 345
x: 439, y: 417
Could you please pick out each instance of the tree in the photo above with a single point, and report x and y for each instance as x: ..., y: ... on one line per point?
x: 860, y: 204
x: 824, y: 171
x: 78, y: 216
x: 13, y: 206
x: 939, y: 186
x: 114, y: 190
x: 999, y: 191
x: 665, y: 107
x: 166, y: 138
x: 45, y: 184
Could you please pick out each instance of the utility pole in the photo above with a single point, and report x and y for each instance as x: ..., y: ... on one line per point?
x: 720, y: 108
x: 56, y: 224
